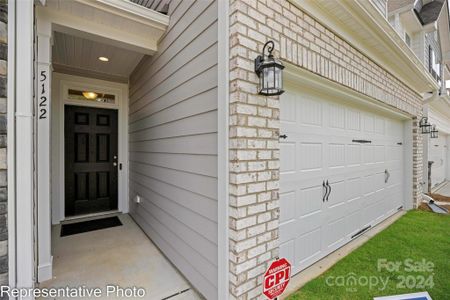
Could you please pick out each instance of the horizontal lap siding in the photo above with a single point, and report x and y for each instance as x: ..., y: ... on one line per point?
x: 173, y: 143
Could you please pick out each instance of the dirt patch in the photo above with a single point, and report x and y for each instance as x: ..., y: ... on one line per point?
x: 441, y: 198
x: 424, y: 206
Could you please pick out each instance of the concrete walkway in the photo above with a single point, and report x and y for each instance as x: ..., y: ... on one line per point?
x: 122, y: 256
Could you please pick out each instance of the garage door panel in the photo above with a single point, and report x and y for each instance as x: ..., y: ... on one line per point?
x: 288, y: 231
x: 309, y: 200
x: 336, y: 234
x: 336, y: 195
x: 288, y: 151
x: 311, y: 111
x: 352, y: 120
x: 287, y: 201
x: 353, y: 188
x: 438, y: 154
x: 310, y: 155
x: 336, y: 116
x: 308, y: 248
x: 320, y: 147
x: 288, y: 111
x: 336, y: 155
x: 288, y: 250
x: 353, y: 154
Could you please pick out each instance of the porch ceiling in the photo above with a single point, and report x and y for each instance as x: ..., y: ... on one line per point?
x: 118, y: 23
x: 79, y: 56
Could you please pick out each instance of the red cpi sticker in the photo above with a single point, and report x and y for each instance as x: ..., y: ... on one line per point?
x: 276, y: 278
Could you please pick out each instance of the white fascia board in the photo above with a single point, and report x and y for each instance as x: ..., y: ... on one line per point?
x: 130, y: 11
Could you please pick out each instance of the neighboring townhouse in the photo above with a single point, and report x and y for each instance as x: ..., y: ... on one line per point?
x: 154, y: 110
x: 424, y: 26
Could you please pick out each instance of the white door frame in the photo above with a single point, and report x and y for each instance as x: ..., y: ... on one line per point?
x: 49, y: 211
x: 61, y: 84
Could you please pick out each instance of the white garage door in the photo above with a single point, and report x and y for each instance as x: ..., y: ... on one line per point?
x: 341, y: 172
x: 438, y: 153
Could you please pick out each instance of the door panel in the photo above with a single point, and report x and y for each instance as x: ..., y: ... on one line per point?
x: 320, y: 148
x: 90, y: 160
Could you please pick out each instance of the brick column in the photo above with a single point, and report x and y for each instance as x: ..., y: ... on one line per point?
x: 254, y: 166
x: 3, y: 125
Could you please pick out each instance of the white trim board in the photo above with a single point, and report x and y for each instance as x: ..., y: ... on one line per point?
x: 20, y: 80
x: 222, y: 150
x: 11, y: 153
x: 60, y: 85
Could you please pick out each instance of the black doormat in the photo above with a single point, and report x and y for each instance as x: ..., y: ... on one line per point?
x: 75, y: 228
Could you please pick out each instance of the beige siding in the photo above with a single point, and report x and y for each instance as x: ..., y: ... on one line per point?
x: 173, y: 143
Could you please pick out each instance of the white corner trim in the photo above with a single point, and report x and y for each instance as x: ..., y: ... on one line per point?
x: 222, y: 150
x: 23, y: 144
x: 11, y: 179
x: 46, y: 270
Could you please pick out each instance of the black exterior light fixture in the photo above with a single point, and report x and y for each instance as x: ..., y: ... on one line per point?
x: 424, y: 125
x: 270, y: 72
x: 434, y: 132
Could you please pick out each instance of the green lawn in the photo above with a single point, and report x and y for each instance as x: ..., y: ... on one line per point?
x: 415, y: 238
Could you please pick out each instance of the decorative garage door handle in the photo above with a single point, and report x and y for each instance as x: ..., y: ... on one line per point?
x: 283, y: 136
x: 326, y: 191
x: 362, y: 141
x: 329, y: 190
x: 387, y: 175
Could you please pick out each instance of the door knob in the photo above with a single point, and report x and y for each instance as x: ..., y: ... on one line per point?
x: 114, y: 164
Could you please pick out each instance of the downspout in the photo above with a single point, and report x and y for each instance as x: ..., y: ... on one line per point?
x: 430, y: 98
x: 23, y: 144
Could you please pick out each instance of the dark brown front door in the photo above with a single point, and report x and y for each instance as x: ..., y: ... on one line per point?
x: 90, y: 160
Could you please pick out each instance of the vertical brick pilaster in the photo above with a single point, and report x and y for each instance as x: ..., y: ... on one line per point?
x: 3, y: 130
x: 254, y: 162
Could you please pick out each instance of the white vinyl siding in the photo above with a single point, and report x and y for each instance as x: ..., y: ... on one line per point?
x: 173, y: 143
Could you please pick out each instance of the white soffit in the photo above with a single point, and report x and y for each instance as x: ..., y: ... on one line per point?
x: 79, y: 56
x: 359, y: 23
x: 115, y: 22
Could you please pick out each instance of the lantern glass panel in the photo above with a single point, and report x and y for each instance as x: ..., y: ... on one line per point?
x: 426, y: 128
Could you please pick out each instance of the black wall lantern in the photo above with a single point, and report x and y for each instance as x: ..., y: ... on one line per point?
x: 424, y: 125
x: 434, y: 132
x: 270, y: 72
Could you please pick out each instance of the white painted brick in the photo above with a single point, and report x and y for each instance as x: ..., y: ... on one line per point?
x: 256, y: 187
x: 251, y: 263
x: 244, y: 245
x: 255, y: 230
x: 246, y: 200
x: 254, y: 209
x: 256, y: 165
x: 245, y: 222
